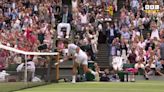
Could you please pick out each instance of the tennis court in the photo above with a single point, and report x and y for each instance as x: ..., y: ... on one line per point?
x: 12, y: 86
x: 142, y: 86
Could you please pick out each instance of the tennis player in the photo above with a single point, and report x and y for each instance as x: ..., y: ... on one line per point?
x: 79, y: 57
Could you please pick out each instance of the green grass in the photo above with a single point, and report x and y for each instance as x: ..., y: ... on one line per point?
x: 140, y: 86
x: 11, y: 86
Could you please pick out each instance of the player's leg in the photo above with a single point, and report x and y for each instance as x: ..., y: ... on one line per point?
x: 74, y: 71
x: 86, y: 69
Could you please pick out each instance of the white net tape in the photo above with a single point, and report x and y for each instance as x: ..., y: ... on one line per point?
x: 26, y: 53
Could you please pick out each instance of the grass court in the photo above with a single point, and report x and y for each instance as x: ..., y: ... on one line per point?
x: 139, y: 86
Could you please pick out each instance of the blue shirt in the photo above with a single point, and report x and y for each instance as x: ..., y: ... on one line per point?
x: 14, y: 15
x: 125, y: 35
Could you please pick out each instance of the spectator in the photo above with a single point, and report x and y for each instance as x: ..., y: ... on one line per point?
x: 105, y: 75
x: 60, y: 45
x: 150, y: 67
x: 155, y: 33
x: 113, y: 48
x: 162, y: 24
x: 30, y: 68
x: 140, y: 66
x: 110, y: 9
x: 132, y: 56
x: 109, y: 76
x: 111, y: 32
x: 162, y: 51
x: 74, y: 5
x: 17, y: 59
x: 125, y: 33
x: 134, y: 5
x: 63, y: 30
x: 94, y: 38
x: 66, y: 16
x: 146, y: 21
x: 117, y: 63
x: 83, y: 19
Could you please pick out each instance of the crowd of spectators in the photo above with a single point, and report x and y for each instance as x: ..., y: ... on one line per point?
x: 32, y: 24
x: 27, y: 25
x: 140, y: 40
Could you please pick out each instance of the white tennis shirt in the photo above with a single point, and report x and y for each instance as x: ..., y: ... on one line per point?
x: 72, y: 49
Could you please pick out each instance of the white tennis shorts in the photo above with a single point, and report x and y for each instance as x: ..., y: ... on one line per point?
x: 81, y: 58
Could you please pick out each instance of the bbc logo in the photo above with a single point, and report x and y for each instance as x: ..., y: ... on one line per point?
x: 151, y: 7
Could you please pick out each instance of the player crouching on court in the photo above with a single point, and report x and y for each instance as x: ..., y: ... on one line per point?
x: 79, y: 57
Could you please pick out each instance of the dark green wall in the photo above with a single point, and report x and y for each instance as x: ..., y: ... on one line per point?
x: 66, y: 2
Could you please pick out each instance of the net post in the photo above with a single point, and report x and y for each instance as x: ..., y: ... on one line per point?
x: 25, y: 72
x: 57, y: 68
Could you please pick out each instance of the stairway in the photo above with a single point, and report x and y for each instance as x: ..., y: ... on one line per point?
x: 102, y: 56
x: 120, y: 5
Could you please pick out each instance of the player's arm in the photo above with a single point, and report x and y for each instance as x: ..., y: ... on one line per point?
x: 66, y: 58
x: 69, y: 55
